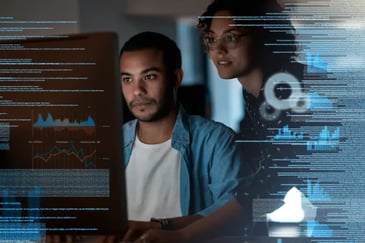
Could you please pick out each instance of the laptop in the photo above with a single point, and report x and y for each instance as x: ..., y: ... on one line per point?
x: 61, y: 169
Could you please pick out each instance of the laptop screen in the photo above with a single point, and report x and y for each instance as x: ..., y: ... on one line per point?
x: 61, y: 167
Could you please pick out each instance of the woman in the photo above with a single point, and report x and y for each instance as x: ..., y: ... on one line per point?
x: 247, y: 48
x: 254, y: 42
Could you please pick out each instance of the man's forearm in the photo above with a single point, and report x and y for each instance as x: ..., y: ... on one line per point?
x: 221, y: 222
x: 178, y: 222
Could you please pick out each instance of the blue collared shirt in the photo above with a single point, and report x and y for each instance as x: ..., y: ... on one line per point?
x: 209, y: 173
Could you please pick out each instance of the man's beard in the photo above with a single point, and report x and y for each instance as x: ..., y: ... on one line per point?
x: 162, y: 109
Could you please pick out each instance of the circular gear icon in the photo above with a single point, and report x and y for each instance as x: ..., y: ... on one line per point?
x: 268, y: 112
x: 302, y: 104
x: 282, y: 83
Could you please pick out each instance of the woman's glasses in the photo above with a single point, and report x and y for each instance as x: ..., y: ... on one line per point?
x: 228, y: 39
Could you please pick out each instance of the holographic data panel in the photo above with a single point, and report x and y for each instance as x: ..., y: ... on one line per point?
x: 61, y: 167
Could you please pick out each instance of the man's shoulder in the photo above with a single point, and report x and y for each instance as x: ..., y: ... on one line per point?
x: 129, y: 124
x: 205, y: 125
x: 129, y: 129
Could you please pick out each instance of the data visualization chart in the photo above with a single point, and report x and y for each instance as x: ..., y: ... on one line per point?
x: 64, y: 142
x: 60, y: 112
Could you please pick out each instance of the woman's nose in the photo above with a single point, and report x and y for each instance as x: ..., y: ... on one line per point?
x: 219, y: 46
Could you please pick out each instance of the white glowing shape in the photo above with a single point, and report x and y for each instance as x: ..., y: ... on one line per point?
x: 352, y: 24
x: 291, y: 211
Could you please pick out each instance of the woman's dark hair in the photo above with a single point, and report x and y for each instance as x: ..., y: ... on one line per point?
x: 152, y: 40
x: 271, y: 27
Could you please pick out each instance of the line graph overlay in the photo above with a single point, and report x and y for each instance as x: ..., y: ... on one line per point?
x: 65, y: 154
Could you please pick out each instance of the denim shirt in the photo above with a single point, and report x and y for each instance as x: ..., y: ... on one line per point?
x: 210, y: 164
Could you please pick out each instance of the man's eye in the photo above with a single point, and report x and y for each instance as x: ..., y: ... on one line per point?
x: 150, y: 76
x: 127, y: 79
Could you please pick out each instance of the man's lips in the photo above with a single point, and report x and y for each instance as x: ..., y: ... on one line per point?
x: 140, y: 103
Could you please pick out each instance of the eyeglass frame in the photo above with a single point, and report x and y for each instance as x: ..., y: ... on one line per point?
x: 215, y: 39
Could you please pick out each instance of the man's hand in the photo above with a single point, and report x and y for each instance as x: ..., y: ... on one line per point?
x: 136, y: 229
x: 80, y: 239
x: 162, y: 236
x: 59, y: 238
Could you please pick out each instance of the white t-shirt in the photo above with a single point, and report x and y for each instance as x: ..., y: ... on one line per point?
x: 153, y: 181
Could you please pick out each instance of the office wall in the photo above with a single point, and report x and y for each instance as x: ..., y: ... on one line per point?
x: 112, y: 15
x: 43, y: 17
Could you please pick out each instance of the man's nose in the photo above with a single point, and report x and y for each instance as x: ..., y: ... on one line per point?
x: 139, y: 88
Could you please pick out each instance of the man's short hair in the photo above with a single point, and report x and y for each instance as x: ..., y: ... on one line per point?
x: 152, y: 40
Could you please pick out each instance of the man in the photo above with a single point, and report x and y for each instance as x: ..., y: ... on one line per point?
x: 179, y: 168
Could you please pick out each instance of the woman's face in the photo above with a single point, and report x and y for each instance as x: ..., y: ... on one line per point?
x: 232, y: 58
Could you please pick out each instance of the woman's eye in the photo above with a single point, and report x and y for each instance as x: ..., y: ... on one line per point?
x: 210, y: 40
x: 231, y: 38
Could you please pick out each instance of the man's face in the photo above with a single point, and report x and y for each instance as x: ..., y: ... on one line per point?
x: 231, y: 61
x: 146, y: 88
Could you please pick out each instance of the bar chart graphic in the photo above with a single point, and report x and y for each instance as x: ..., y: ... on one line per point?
x: 326, y: 141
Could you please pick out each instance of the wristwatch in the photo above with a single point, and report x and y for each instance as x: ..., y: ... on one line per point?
x: 165, y: 223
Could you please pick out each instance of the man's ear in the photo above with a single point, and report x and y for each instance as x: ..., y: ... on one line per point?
x: 179, y: 74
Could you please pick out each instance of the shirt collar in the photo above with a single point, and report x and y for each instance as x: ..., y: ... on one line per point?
x: 181, y: 129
